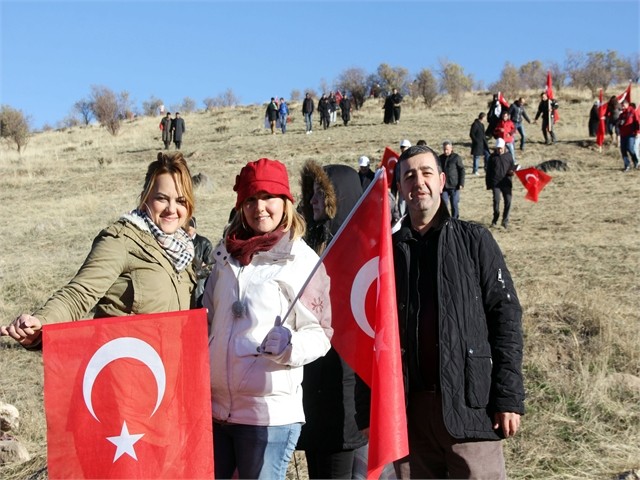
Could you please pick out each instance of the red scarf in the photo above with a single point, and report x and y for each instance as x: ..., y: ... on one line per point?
x: 243, y: 245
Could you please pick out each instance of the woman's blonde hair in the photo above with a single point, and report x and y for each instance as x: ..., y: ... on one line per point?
x: 291, y: 221
x: 175, y: 165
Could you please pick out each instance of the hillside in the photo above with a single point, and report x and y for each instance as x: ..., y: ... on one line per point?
x: 574, y: 255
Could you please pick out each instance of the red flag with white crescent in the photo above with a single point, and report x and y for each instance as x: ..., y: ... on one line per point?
x: 129, y: 397
x: 389, y: 161
x: 359, y: 262
x: 626, y: 95
x: 534, y: 181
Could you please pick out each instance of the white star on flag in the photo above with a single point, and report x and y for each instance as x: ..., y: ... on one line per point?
x: 124, y: 443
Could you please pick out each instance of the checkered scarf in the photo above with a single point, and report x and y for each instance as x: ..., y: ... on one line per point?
x: 178, y: 246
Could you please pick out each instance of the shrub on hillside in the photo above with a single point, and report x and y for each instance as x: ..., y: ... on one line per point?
x: 14, y: 127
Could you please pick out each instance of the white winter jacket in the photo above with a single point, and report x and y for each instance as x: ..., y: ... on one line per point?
x: 260, y: 389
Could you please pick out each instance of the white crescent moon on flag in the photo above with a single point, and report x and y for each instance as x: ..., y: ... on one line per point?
x: 526, y: 177
x: 124, y: 347
x: 364, y: 278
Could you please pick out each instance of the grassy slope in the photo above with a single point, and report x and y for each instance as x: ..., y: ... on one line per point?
x: 575, y: 255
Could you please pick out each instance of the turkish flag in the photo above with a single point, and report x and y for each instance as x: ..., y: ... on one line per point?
x: 129, y: 397
x: 549, y: 86
x: 602, y: 127
x: 549, y: 91
x: 502, y: 100
x: 626, y: 95
x: 359, y: 262
x: 534, y: 181
x: 389, y: 161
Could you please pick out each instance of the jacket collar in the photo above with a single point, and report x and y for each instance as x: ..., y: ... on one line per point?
x: 440, y: 220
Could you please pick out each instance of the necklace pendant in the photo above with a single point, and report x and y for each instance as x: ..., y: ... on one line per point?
x: 238, y: 309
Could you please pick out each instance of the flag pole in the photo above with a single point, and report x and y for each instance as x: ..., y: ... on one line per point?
x: 379, y: 172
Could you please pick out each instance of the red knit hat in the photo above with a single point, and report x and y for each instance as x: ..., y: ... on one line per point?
x: 263, y: 175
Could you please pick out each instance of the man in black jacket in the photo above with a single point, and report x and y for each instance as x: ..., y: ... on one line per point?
x: 500, y: 169
x: 460, y: 330
x: 479, y: 145
x: 453, y: 167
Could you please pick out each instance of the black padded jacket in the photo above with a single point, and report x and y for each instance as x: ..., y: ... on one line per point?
x: 480, y: 332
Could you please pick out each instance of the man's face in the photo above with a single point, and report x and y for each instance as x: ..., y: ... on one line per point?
x: 447, y: 148
x: 420, y: 183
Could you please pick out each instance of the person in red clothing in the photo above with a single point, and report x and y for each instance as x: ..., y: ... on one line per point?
x: 506, y: 129
x: 628, y: 125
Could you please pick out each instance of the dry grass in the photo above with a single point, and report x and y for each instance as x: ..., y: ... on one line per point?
x: 575, y: 256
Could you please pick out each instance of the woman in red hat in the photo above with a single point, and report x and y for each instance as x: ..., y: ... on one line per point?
x: 260, y: 335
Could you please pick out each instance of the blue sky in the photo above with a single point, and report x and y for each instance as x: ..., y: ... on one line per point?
x: 52, y: 51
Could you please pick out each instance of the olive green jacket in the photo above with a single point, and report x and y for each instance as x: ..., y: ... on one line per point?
x: 125, y: 273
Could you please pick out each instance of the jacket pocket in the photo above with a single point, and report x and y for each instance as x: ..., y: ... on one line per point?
x: 477, y: 374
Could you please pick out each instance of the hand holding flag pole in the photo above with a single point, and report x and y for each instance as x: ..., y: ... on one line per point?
x: 365, y: 317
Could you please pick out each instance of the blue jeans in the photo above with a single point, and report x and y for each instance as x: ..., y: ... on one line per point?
x: 511, y: 149
x: 283, y: 122
x: 520, y: 130
x: 628, y: 149
x: 255, y: 451
x: 308, y: 120
x: 451, y: 195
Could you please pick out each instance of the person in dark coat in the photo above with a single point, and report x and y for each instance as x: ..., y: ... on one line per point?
x: 460, y: 332
x: 330, y: 435
x: 272, y: 115
x: 396, y: 98
x: 202, y: 259
x: 479, y: 145
x: 324, y: 111
x: 518, y: 114
x: 388, y: 110
x: 594, y: 118
x: 165, y: 126
x: 307, y: 112
x: 453, y: 168
x: 345, y: 110
x: 493, y: 114
x: 546, y: 110
x: 500, y: 169
x: 364, y: 172
x: 178, y: 128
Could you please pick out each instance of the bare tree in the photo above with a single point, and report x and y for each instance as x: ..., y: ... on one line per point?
x: 354, y: 80
x: 393, y: 77
x: 594, y: 70
x: 108, y: 108
x: 188, y: 105
x: 226, y: 99
x: 151, y: 107
x: 14, y: 127
x: 295, y: 95
x: 427, y: 86
x: 509, y: 82
x: 85, y: 109
x: 532, y: 75
x: 453, y: 80
x: 229, y: 98
x: 631, y: 68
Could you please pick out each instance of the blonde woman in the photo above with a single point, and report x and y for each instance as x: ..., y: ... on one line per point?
x: 260, y: 336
